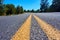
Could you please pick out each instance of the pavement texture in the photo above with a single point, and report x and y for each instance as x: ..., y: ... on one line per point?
x: 11, y: 26
x: 51, y: 18
x: 36, y: 32
x: 52, y: 33
x: 24, y: 32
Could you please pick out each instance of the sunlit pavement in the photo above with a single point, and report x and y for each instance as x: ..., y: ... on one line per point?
x: 34, y: 26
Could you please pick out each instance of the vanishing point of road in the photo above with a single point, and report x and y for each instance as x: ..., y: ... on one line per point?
x: 30, y: 26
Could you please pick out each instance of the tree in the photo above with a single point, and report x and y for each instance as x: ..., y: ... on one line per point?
x: 28, y: 11
x: 1, y: 7
x: 19, y: 9
x: 32, y: 10
x: 55, y: 6
x: 25, y: 11
x: 37, y: 10
x: 9, y: 9
x: 44, y: 5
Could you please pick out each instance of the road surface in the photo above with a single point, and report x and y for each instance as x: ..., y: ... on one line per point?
x: 34, y: 26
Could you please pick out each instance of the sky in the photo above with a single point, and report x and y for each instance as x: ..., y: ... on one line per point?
x: 26, y: 4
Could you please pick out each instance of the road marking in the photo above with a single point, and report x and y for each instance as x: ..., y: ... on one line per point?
x: 52, y: 33
x: 23, y: 33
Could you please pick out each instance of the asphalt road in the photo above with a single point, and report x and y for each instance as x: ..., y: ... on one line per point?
x: 36, y: 32
x: 10, y: 24
x: 51, y: 18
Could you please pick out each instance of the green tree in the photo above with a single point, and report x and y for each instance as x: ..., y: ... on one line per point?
x: 37, y: 10
x: 1, y: 7
x: 32, y: 10
x: 10, y: 9
x: 19, y: 10
x: 55, y: 7
x: 25, y: 11
x: 28, y: 10
x: 44, y: 5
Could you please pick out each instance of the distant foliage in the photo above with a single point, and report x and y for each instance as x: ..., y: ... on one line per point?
x: 55, y: 7
x: 10, y: 9
x: 44, y: 5
x: 1, y: 7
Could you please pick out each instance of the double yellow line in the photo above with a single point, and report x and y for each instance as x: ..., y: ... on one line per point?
x: 23, y: 33
x: 52, y: 33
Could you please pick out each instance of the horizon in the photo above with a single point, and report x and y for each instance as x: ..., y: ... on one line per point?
x: 26, y: 4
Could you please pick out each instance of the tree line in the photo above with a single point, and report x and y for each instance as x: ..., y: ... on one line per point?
x: 10, y: 9
x: 45, y: 7
x: 54, y: 7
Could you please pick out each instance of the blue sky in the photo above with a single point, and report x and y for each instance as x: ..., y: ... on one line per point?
x: 27, y: 4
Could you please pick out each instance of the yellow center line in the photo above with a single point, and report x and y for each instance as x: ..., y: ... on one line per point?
x: 52, y: 33
x: 23, y: 33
